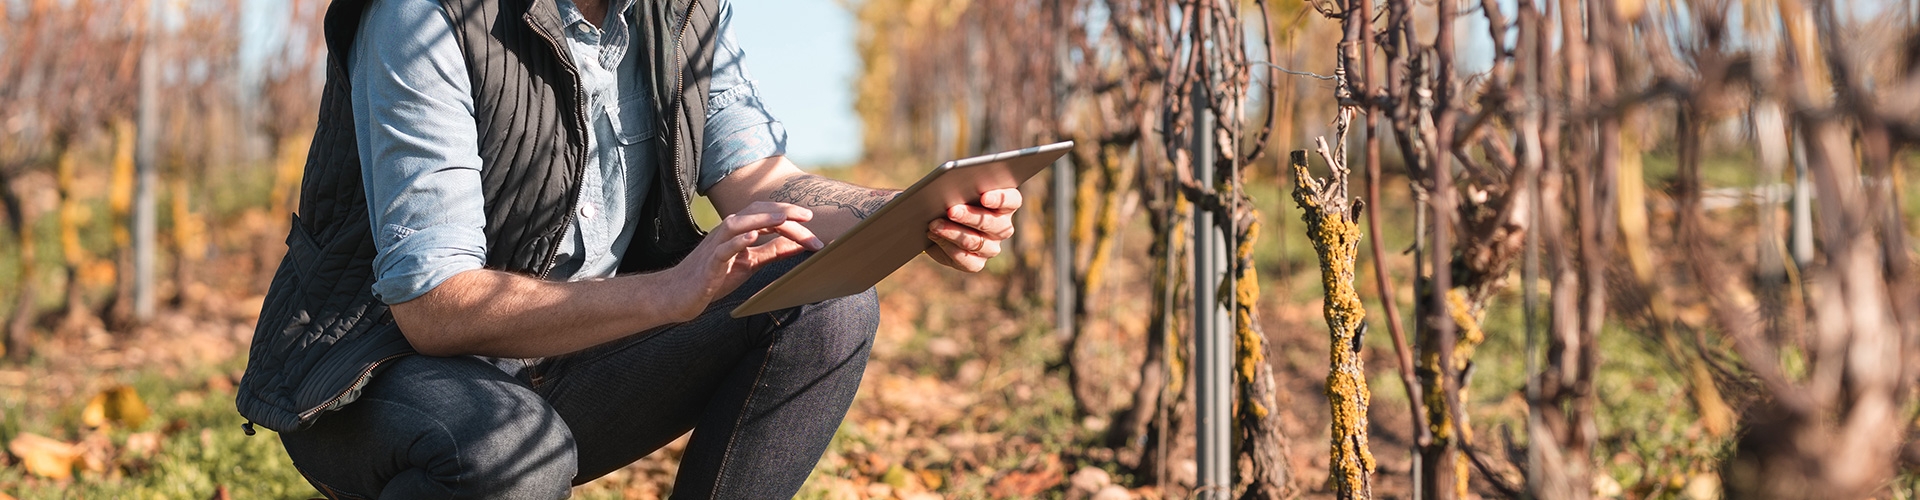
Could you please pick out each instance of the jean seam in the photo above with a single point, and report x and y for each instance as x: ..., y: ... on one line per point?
x: 726, y: 457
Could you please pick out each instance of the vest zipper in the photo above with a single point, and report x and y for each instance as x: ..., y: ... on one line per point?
x: 580, y: 117
x: 680, y: 93
x: 359, y: 382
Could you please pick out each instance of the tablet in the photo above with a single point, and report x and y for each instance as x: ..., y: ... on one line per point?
x: 897, y: 232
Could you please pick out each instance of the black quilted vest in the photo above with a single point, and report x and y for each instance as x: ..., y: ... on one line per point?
x: 322, y: 335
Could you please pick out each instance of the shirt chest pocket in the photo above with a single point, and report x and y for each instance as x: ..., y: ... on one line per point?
x: 633, y: 119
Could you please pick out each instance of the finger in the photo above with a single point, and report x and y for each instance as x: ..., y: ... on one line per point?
x: 1004, y: 201
x: 744, y: 222
x: 988, y: 250
x: 762, y: 215
x: 781, y: 221
x: 773, y: 251
x: 991, y: 224
x: 959, y: 258
x: 962, y: 237
x: 731, y: 247
x: 792, y: 230
x: 781, y: 217
x: 792, y: 211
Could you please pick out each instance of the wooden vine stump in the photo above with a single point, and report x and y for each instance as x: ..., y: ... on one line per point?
x: 1332, y: 226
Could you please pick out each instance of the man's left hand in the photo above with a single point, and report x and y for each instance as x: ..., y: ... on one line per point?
x: 972, y: 233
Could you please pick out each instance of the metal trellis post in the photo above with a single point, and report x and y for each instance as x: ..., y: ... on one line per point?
x: 1213, y: 356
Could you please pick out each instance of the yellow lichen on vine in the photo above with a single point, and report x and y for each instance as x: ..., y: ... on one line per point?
x: 1336, y: 239
x: 1250, y: 354
x: 1468, y: 336
x: 1104, y: 223
x: 1468, y: 328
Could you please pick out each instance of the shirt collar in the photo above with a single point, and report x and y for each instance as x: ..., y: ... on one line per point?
x: 570, y: 13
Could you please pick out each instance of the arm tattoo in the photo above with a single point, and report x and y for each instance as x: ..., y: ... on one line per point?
x: 816, y: 191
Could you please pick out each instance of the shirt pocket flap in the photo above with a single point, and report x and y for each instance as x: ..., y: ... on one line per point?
x: 633, y: 119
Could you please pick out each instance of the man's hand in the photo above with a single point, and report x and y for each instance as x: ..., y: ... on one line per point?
x: 971, y: 234
x: 757, y: 235
x: 490, y: 313
x: 964, y: 240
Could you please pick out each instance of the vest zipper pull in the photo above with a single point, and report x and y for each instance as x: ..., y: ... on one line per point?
x: 247, y: 427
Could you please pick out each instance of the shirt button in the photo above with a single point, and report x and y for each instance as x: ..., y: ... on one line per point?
x: 587, y: 211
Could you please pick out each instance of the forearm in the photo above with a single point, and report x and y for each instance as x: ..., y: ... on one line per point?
x: 837, y: 206
x: 495, y: 313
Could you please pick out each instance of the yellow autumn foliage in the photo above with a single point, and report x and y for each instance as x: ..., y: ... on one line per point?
x: 117, y: 405
x: 44, y: 456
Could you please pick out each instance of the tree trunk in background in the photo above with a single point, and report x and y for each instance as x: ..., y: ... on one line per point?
x: 77, y: 315
x: 1169, y: 446
x: 1097, y: 215
x: 189, y: 237
x: 1263, y: 450
x: 1131, y: 431
x: 147, y: 176
x: 19, y: 334
x: 1835, y: 432
x: 119, y: 311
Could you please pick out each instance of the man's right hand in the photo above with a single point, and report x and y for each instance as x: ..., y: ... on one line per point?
x: 760, y: 234
x: 501, y: 314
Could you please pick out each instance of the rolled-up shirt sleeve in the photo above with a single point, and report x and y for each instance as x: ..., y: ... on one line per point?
x: 739, y: 129
x: 420, y: 162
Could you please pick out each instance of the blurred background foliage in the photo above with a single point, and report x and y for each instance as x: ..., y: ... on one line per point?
x: 1723, y: 303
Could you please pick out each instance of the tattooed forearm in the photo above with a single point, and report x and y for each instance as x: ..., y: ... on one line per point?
x: 817, y: 191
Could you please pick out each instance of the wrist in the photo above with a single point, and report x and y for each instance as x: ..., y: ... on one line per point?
x: 678, y: 297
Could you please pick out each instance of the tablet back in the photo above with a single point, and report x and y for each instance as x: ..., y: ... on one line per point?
x: 897, y: 232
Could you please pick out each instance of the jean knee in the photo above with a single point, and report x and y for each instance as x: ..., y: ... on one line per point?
x: 850, y: 322
x: 511, y: 446
x: 439, y: 428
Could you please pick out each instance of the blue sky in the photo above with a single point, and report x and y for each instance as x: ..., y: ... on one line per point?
x: 802, y: 53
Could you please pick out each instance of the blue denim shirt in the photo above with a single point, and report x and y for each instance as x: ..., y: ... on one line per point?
x: 419, y: 144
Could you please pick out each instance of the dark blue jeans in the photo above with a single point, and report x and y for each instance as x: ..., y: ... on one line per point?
x: 763, y: 396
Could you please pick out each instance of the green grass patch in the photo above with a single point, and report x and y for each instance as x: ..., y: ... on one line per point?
x: 202, y: 448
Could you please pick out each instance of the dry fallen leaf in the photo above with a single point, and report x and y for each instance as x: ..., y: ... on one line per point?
x: 116, y: 405
x: 44, y: 456
x: 931, y: 479
x: 1027, y: 484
